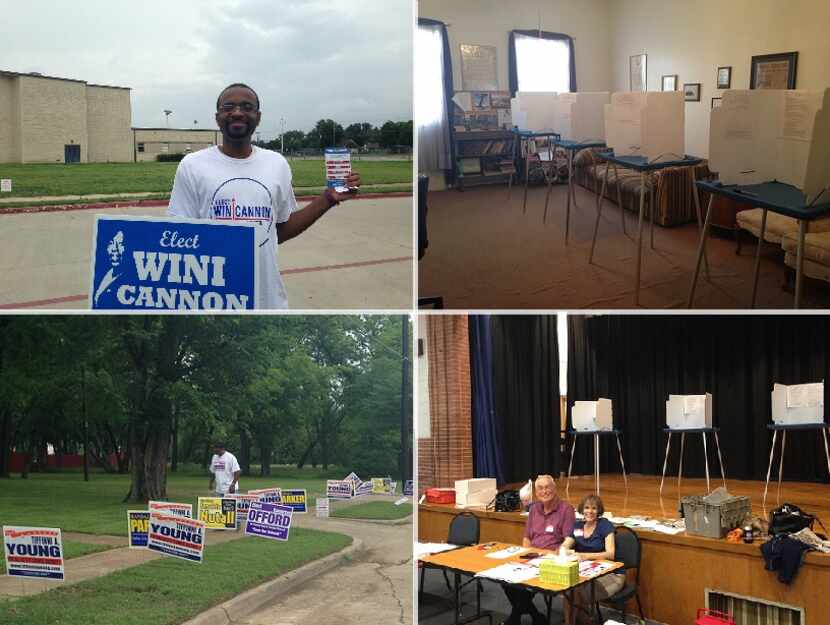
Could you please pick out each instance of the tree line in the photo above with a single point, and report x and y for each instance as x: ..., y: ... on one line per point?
x: 328, y: 133
x: 156, y: 391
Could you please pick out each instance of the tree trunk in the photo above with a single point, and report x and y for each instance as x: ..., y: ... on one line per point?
x: 244, y: 452
x: 266, y: 450
x: 155, y: 464
x: 174, y: 462
x: 5, y: 444
x: 137, y: 467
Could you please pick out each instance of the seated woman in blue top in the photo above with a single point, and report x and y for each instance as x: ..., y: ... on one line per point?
x: 593, y: 539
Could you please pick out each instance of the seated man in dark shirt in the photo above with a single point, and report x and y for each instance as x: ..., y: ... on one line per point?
x: 549, y: 523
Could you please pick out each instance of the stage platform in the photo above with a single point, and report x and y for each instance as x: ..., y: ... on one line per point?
x: 677, y: 570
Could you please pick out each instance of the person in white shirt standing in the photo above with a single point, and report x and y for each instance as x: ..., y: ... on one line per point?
x: 225, y: 471
x: 237, y: 181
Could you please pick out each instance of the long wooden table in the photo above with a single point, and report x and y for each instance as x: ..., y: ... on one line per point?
x: 474, y: 559
x: 676, y: 570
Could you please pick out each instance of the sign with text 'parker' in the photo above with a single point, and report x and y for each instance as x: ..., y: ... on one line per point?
x: 170, y: 263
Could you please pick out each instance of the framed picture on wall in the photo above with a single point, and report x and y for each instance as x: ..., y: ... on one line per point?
x: 773, y: 71
x: 691, y: 92
x: 637, y: 72
x: 716, y: 102
x: 670, y: 82
x: 725, y: 77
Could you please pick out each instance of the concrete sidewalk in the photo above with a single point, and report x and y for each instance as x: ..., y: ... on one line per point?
x: 357, y: 257
x: 95, y: 564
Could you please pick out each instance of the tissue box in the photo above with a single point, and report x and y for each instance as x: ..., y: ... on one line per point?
x: 688, y: 412
x: 590, y: 416
x: 476, y: 492
x: 799, y: 404
x: 559, y: 573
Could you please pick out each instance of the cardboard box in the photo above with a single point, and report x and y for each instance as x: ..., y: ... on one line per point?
x: 475, y: 492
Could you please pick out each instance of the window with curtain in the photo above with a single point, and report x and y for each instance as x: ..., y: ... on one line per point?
x: 430, y: 102
x: 542, y: 64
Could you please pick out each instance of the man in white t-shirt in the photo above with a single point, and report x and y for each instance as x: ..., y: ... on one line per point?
x: 238, y: 181
x: 225, y: 471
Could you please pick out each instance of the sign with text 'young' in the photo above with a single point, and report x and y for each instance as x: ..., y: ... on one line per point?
x: 33, y: 552
x: 269, y: 520
x: 176, y: 536
x: 339, y: 489
x: 172, y: 263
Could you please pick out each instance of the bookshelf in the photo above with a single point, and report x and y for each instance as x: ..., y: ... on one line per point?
x: 483, y: 157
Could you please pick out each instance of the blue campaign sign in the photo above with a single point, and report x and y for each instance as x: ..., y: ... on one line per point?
x: 407, y: 488
x: 295, y: 499
x: 169, y: 263
x: 269, y: 520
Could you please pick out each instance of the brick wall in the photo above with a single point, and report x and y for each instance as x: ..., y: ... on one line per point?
x: 447, y: 454
x: 53, y: 114
x: 9, y: 125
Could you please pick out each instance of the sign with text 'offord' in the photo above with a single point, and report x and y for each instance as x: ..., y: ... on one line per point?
x: 154, y: 263
x: 269, y: 520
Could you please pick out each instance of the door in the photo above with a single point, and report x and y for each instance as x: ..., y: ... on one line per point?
x: 72, y: 153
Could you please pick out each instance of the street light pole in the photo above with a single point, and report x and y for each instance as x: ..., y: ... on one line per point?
x: 167, y: 113
x: 282, y: 133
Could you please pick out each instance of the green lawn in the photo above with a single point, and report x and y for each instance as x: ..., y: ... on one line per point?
x: 383, y: 510
x: 71, y: 549
x: 64, y: 500
x: 112, y: 178
x: 169, y: 590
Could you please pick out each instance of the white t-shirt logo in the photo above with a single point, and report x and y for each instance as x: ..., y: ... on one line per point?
x: 244, y: 199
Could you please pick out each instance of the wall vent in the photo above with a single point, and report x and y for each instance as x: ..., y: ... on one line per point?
x: 754, y: 611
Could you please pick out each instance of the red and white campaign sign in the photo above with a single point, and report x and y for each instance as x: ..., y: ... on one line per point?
x: 168, y: 507
x: 176, y: 536
x: 33, y: 552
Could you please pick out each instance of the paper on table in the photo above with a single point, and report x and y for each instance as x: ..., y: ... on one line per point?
x: 666, y: 529
x: 425, y: 549
x: 592, y: 568
x: 512, y: 573
x: 506, y: 553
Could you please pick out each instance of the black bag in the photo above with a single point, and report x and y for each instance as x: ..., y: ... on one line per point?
x: 508, y: 501
x: 789, y: 519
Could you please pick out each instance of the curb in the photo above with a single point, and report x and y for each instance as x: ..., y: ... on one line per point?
x: 252, y: 600
x: 407, y: 520
x: 64, y: 208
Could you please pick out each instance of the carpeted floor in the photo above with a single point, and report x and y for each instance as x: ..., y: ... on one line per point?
x: 484, y: 253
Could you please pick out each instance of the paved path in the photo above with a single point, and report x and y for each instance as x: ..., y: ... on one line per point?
x: 376, y: 587
x: 358, y: 257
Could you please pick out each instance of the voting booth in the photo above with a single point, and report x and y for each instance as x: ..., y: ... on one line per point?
x: 592, y: 416
x: 798, y: 404
x: 581, y: 116
x: 649, y: 124
x: 689, y: 412
x: 535, y: 109
x: 761, y: 135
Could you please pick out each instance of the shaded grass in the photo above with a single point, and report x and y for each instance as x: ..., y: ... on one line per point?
x: 110, y: 178
x: 169, y: 590
x: 71, y: 549
x: 64, y: 500
x: 382, y: 510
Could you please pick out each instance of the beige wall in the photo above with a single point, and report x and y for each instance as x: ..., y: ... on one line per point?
x: 692, y: 39
x: 178, y: 141
x: 109, y: 118
x: 52, y: 114
x: 489, y: 22
x: 9, y: 126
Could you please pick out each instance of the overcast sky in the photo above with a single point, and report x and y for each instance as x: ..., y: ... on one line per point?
x: 349, y: 60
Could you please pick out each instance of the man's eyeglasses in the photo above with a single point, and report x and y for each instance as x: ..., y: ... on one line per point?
x: 245, y: 107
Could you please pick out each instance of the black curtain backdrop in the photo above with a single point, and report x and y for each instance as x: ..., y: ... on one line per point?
x: 637, y: 361
x: 513, y: 73
x: 526, y: 394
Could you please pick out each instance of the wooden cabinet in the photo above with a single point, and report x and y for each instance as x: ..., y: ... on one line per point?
x: 483, y: 157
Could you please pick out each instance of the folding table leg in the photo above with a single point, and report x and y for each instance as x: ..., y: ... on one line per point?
x: 706, y: 462
x: 758, y: 258
x: 781, y: 465
x: 700, y: 250
x: 570, y: 190
x: 622, y: 463
x: 826, y: 451
x: 769, y: 468
x: 720, y: 460
x: 599, y: 212
x: 571, y: 463
x: 527, y: 176
x: 619, y: 196
x: 799, y: 265
x: 696, y: 197
x: 596, y: 461
x: 680, y: 468
x: 640, y: 239
x: 665, y: 462
x: 651, y: 211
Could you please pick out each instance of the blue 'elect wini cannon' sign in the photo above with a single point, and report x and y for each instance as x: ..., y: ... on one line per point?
x: 172, y: 263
